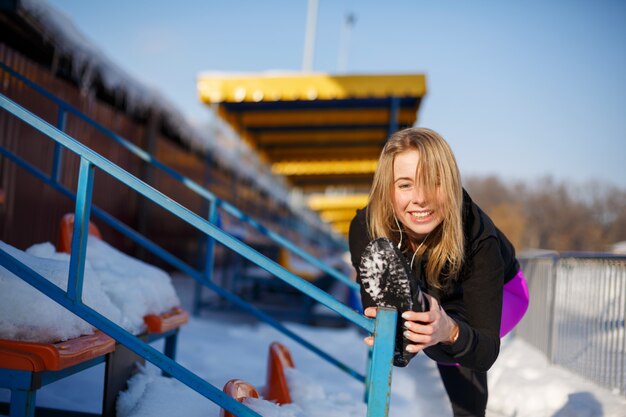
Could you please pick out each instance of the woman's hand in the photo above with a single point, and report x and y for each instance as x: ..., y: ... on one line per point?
x: 371, y: 313
x: 430, y: 327
x: 425, y: 329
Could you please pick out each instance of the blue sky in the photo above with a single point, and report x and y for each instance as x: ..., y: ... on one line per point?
x: 520, y: 89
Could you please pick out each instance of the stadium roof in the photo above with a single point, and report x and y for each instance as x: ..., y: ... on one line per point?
x: 319, y: 130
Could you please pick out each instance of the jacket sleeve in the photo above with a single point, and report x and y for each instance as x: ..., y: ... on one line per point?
x: 479, y: 312
x: 358, y: 238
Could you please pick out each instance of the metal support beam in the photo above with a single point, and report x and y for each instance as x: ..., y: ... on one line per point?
x: 379, y: 378
x: 394, y: 109
x: 81, y: 231
x: 57, y: 159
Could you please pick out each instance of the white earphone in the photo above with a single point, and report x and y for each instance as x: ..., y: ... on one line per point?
x: 399, y: 229
x: 400, y: 243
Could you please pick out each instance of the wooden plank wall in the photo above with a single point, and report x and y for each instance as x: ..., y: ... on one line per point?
x: 31, y: 210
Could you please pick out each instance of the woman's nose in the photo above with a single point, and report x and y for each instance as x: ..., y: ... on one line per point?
x: 418, y: 197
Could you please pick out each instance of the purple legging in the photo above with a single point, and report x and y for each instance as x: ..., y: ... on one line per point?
x: 514, y: 303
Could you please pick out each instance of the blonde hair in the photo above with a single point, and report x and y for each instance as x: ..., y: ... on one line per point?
x: 437, y: 172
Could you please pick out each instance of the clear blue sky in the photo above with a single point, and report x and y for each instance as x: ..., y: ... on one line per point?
x: 521, y: 89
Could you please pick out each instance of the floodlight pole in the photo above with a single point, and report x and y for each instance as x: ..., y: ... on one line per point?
x: 344, y: 42
x: 309, y: 40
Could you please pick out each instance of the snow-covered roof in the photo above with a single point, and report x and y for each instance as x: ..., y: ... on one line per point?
x: 89, y: 63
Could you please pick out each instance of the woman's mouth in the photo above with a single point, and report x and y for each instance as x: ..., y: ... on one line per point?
x: 422, y: 216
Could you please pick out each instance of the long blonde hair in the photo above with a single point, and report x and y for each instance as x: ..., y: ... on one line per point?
x: 437, y: 171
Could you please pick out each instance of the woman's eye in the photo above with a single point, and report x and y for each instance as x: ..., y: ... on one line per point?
x: 404, y: 186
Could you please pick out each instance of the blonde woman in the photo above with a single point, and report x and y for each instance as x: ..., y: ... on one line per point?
x: 423, y: 246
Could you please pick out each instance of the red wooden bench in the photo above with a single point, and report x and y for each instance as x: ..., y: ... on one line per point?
x: 27, y: 366
x: 36, y: 357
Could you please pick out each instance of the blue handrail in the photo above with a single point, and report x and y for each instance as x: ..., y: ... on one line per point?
x: 180, y: 264
x: 75, y: 305
x: 177, y: 263
x: 378, y: 387
x: 187, y: 182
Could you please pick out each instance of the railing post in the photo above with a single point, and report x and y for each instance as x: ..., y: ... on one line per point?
x: 379, y: 378
x: 209, y: 257
x: 552, y: 307
x: 210, y: 244
x: 81, y: 231
x: 57, y: 159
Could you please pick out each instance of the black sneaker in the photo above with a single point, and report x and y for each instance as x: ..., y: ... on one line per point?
x: 387, y: 278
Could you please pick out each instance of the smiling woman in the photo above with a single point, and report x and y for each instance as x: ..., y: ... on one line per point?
x: 458, y: 259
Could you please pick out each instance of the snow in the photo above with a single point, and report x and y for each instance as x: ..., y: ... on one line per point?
x: 26, y: 314
x: 220, y: 346
x: 117, y: 286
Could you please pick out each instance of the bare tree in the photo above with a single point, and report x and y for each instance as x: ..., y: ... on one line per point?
x: 554, y: 215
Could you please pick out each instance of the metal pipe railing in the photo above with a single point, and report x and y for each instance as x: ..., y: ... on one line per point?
x: 577, y: 313
x: 383, y: 326
x: 65, y: 108
x: 200, y: 277
x: 135, y: 344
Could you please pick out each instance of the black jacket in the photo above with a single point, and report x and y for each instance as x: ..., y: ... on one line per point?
x: 475, y: 299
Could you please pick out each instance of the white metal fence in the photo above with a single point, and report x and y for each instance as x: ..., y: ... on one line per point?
x: 576, y: 314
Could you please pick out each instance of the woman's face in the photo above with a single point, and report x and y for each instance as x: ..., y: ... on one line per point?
x: 418, y: 215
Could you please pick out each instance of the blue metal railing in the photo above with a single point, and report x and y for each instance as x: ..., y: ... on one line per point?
x: 577, y: 314
x: 379, y: 373
x: 179, y: 264
x: 203, y: 279
x: 214, y: 201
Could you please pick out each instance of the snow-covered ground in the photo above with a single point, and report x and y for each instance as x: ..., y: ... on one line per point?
x: 221, y: 346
